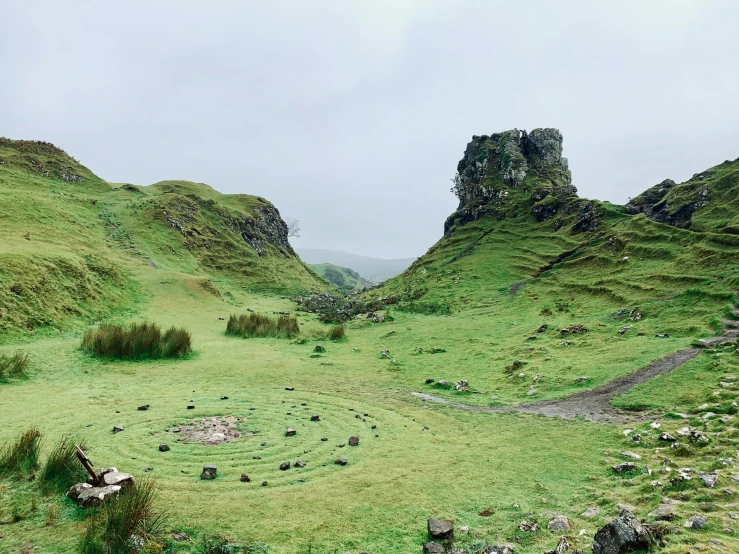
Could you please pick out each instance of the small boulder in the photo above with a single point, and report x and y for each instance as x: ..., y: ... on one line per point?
x: 461, y: 385
x: 353, y: 441
x: 559, y: 523
x: 340, y: 461
x: 709, y: 479
x: 430, y: 381
x: 299, y: 463
x: 528, y: 526
x: 77, y: 489
x: 143, y: 408
x: 622, y: 535
x: 319, y: 348
x: 209, y: 472
x: 118, y: 478
x: 95, y: 496
x: 696, y: 522
x: 284, y: 466
x: 163, y: 448
x: 433, y: 548
x: 245, y: 478
x: 591, y: 512
x: 315, y: 417
x: 666, y: 437
x: 624, y: 467
x: 118, y: 429
x: 290, y: 432
x: 440, y: 529
x: 630, y: 454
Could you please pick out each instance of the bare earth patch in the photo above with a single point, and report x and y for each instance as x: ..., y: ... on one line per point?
x: 210, y: 430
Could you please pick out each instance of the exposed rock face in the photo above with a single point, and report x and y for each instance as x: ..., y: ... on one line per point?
x: 440, y: 529
x: 655, y: 204
x: 495, y: 166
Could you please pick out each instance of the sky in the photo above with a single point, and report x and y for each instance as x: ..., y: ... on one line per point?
x: 351, y: 116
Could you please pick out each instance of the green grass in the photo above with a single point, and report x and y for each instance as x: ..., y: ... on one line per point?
x: 345, y: 279
x: 14, y: 365
x: 257, y: 325
x: 21, y: 456
x: 62, y: 468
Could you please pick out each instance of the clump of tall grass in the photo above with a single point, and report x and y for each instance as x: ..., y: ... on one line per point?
x: 257, y: 325
x: 22, y: 455
x: 13, y: 366
x: 62, y: 468
x: 137, y: 341
x: 132, y: 513
x: 337, y: 332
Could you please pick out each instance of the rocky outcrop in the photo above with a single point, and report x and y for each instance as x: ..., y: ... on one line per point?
x: 655, y: 202
x: 514, y: 169
x: 623, y: 534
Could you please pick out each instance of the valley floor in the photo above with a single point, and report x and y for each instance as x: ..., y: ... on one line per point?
x: 415, y: 459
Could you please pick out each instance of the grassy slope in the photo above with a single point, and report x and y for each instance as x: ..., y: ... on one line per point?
x: 347, y: 280
x: 69, y: 245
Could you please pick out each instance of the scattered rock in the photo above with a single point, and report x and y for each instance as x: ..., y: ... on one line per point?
x: 319, y: 348
x: 666, y: 437
x: 315, y: 417
x: 630, y: 454
x: 440, y: 529
x: 191, y: 406
x: 340, y: 461
x: 264, y: 483
x: 528, y: 526
x: 289, y: 388
x: 696, y: 522
x: 559, y: 523
x: 433, y: 548
x: 624, y: 467
x: 591, y: 512
x: 209, y: 472
x: 299, y: 463
x: 353, y: 441
x: 430, y: 381
x: 461, y: 385
x: 290, y: 432
x: 244, y: 478
x: 95, y: 496
x: 709, y: 479
x: 118, y: 429
x: 664, y: 512
x: 163, y: 448
x: 622, y: 535
x: 143, y: 408
x: 284, y: 466
x: 181, y: 537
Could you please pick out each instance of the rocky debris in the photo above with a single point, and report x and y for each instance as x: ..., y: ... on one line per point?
x: 209, y: 472
x: 562, y: 547
x: 430, y: 381
x: 211, y: 431
x: 117, y: 478
x: 542, y: 328
x: 715, y: 342
x: 433, y: 548
x: 666, y: 437
x: 672, y: 209
x: 163, y: 448
x: 118, y: 429
x: 143, y: 408
x: 573, y: 329
x: 315, y: 417
x: 623, y: 534
x: 319, y: 348
x: 191, y: 406
x: 244, y: 478
x: 630, y: 454
x: 443, y: 384
x: 501, y: 549
x: 340, y: 461
x: 696, y: 522
x: 353, y: 441
x: 622, y: 507
x: 623, y: 330
x: 181, y: 537
x: 440, y: 529
x: 461, y: 385
x: 90, y: 496
x: 299, y: 463
x: 284, y: 466
x: 528, y: 526
x: 662, y: 336
x: 591, y: 512
x: 290, y: 432
x: 559, y: 523
x: 624, y: 467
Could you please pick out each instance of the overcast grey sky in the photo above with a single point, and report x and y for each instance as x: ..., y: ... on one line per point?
x: 352, y: 115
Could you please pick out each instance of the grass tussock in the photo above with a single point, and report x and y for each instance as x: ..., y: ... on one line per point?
x: 13, y: 366
x: 256, y: 325
x: 137, y: 341
x: 62, y: 468
x: 21, y: 457
x: 337, y: 332
x: 132, y: 513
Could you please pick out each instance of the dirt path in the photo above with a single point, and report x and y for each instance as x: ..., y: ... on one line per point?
x: 593, y: 405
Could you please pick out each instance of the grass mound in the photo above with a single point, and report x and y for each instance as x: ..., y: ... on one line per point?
x: 138, y: 341
x: 13, y: 366
x: 62, y: 468
x: 257, y: 325
x: 22, y: 455
x: 132, y: 513
x: 337, y: 332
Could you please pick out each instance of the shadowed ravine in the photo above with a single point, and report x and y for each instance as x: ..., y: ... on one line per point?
x: 592, y: 405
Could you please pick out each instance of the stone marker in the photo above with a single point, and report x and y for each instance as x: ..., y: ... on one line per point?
x: 440, y: 529
x: 209, y: 472
x: 290, y: 432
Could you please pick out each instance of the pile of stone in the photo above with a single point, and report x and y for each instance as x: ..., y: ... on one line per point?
x: 109, y: 482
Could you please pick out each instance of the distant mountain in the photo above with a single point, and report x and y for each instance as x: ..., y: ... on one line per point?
x: 372, y: 269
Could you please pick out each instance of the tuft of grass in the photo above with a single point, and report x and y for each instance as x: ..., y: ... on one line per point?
x: 21, y: 456
x: 337, y: 332
x: 137, y: 341
x: 256, y: 325
x: 133, y: 512
x: 13, y: 366
x: 62, y: 468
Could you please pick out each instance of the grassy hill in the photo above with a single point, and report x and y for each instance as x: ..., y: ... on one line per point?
x: 73, y: 243
x: 343, y: 278
x: 372, y: 269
